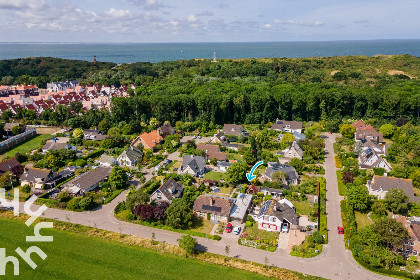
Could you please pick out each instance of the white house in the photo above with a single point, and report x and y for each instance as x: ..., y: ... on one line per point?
x: 193, y: 165
x: 130, y: 156
x: 274, y: 214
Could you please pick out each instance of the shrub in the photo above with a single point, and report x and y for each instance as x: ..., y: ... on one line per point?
x: 73, y: 204
x: 126, y: 215
x: 26, y: 189
x: 86, y: 203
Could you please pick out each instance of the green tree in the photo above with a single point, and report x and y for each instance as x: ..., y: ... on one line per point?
x: 78, y: 133
x: 26, y: 189
x: 347, y: 130
x: 387, y: 130
x: 298, y: 164
x: 287, y: 138
x: 16, y: 130
x: 249, y: 157
x: 358, y: 197
x: 397, y: 201
x: 279, y: 176
x: 104, y: 125
x: 118, y: 178
x: 236, y: 173
x: 187, y: 243
x: 379, y: 208
x: 179, y: 214
x: 390, y: 232
x: 86, y: 203
x: 63, y: 196
x: 135, y: 199
x: 74, y: 204
x: 213, y: 161
x: 153, y: 122
x: 415, y: 177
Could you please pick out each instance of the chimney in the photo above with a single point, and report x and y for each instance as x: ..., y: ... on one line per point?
x: 94, y: 59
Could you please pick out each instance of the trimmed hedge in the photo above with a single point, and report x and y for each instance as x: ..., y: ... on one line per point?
x: 112, y: 196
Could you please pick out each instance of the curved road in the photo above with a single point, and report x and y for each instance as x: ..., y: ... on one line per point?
x: 335, y: 262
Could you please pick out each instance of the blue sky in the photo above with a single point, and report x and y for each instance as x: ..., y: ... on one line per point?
x: 207, y: 21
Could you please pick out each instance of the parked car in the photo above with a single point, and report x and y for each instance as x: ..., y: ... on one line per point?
x: 194, y: 137
x: 199, y: 137
x: 340, y: 230
x: 285, y: 228
x: 237, y: 230
x: 228, y: 228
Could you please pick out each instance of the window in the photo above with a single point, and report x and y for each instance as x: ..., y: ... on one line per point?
x: 415, y: 252
x: 202, y: 214
x: 412, y: 243
x: 273, y: 219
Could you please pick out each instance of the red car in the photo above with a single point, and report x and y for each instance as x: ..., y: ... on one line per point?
x: 330, y: 132
x: 228, y: 228
x: 340, y: 230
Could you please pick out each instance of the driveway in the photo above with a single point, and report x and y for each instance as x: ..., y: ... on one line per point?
x: 335, y: 262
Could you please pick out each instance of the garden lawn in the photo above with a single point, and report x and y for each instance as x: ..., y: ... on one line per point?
x: 362, y: 220
x: 202, y: 225
x: 263, y: 234
x: 303, y: 207
x: 214, y: 175
x: 76, y: 256
x: 232, y: 156
x: 26, y: 146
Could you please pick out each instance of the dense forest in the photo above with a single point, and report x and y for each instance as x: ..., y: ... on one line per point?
x: 382, y: 88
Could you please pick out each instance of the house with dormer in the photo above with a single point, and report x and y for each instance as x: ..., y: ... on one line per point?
x: 291, y: 176
x: 274, y: 214
x: 193, y: 165
x: 130, y: 156
x: 38, y: 178
x: 293, y: 151
x: 369, y: 159
x: 287, y: 126
x: 167, y: 191
x: 234, y: 130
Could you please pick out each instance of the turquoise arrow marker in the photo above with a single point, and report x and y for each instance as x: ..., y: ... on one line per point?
x: 250, y: 175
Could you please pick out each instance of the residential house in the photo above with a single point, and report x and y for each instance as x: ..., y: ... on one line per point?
x: 8, y: 127
x: 379, y: 148
x: 130, y: 156
x: 241, y: 207
x: 252, y: 189
x: 287, y: 126
x: 166, y: 129
x: 107, y: 161
x: 275, y: 193
x: 364, y: 132
x: 212, y: 151
x: 369, y: 159
x: 167, y: 191
x: 411, y: 247
x: 380, y: 185
x: 8, y: 165
x: 274, y: 214
x: 293, y: 151
x: 216, y: 207
x: 39, y: 178
x: 223, y: 165
x: 234, y: 130
x: 87, y: 181
x: 220, y: 138
x: 93, y: 134
x: 57, y: 143
x: 193, y: 165
x: 291, y: 176
x: 148, y: 140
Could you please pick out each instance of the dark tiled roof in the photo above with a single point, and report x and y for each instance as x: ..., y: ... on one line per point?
x: 212, y: 151
x: 166, y: 129
x: 388, y: 183
x: 280, y: 210
x: 90, y: 178
x: 290, y: 171
x: 281, y: 124
x: 38, y: 175
x: 233, y: 129
x: 196, y: 163
x: 214, y: 205
x: 132, y: 153
x: 171, y: 189
x: 8, y: 164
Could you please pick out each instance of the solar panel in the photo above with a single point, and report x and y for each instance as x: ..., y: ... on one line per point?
x: 369, y: 151
x: 212, y: 208
x: 265, y: 206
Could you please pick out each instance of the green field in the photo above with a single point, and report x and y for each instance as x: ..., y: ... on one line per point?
x: 26, y: 146
x: 76, y: 256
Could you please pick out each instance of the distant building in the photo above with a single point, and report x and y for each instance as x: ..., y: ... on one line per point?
x: 107, y: 161
x: 369, y: 159
x: 287, y: 126
x: 148, y: 140
x: 166, y: 129
x: 93, y: 134
x: 234, y: 130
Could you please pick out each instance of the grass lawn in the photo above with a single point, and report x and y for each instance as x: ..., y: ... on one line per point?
x: 214, y: 175
x: 177, y: 164
x: 232, y: 156
x: 77, y: 256
x: 303, y: 207
x: 362, y: 220
x: 202, y: 225
x: 256, y: 232
x: 26, y: 146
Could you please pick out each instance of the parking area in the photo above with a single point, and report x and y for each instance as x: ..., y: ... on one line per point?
x: 231, y: 237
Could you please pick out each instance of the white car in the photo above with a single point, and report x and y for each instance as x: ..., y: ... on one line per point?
x: 236, y: 230
x: 285, y: 228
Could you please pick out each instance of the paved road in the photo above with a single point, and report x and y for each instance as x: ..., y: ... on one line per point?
x: 335, y: 262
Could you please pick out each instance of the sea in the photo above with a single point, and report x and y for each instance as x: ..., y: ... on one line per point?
x: 157, y: 52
